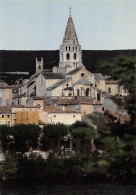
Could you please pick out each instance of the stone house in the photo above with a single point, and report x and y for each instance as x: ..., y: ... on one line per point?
x: 113, y: 88
x: 35, y: 101
x: 6, y: 116
x: 58, y: 114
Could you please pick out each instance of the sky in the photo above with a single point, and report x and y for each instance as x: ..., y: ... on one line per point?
x: 40, y: 24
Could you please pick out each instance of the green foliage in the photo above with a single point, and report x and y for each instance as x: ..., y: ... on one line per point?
x: 31, y: 167
x: 123, y: 69
x: 11, y: 79
x: 5, y: 131
x: 54, y: 134
x: 23, y: 137
x: 117, y: 141
x: 9, y: 169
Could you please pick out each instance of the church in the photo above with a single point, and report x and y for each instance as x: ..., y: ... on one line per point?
x: 68, y: 84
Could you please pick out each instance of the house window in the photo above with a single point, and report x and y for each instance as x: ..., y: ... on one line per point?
x: 3, y: 116
x: 69, y: 94
x: 69, y: 48
x: 3, y: 122
x: 74, y: 116
x: 75, y: 55
x: 76, y: 48
x: 67, y: 84
x: 54, y: 116
x: 73, y: 48
x: 109, y: 90
x: 67, y: 56
x: 8, y: 116
x: 118, y: 89
x: 8, y: 123
x: 66, y: 48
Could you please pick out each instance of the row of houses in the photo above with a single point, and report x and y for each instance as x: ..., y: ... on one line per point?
x: 11, y: 115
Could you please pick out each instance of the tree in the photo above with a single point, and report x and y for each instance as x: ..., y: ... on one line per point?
x: 117, y: 140
x: 54, y: 133
x: 25, y: 136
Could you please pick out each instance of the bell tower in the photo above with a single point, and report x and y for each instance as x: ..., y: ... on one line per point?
x: 39, y: 65
x: 70, y: 56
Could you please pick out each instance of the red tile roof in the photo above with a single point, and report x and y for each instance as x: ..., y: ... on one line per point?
x: 37, y: 97
x: 111, y: 82
x: 58, y: 109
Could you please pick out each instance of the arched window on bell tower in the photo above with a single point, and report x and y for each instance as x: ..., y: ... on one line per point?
x: 75, y: 56
x: 67, y: 56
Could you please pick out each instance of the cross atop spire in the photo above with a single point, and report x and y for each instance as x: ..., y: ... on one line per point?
x: 70, y: 12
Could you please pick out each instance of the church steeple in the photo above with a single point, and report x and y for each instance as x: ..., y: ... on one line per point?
x: 70, y: 36
x: 70, y: 50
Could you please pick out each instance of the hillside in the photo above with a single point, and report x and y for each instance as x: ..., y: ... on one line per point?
x: 24, y: 61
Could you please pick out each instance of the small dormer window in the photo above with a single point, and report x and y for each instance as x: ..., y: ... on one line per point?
x: 67, y: 84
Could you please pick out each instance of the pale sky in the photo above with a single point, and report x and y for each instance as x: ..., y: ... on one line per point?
x: 40, y: 24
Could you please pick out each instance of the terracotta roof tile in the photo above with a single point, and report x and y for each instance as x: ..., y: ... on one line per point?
x: 5, y: 109
x: 37, y: 97
x: 58, y: 109
x: 111, y: 82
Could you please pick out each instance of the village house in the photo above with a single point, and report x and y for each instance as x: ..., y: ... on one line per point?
x: 6, y: 116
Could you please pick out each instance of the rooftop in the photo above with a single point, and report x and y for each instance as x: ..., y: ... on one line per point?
x: 59, y: 83
x: 111, y: 82
x: 58, y: 109
x: 83, y: 81
x: 73, y: 71
x: 98, y: 76
x: 37, y: 97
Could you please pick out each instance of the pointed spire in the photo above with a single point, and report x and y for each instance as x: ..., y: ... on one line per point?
x: 70, y: 12
x: 70, y: 36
